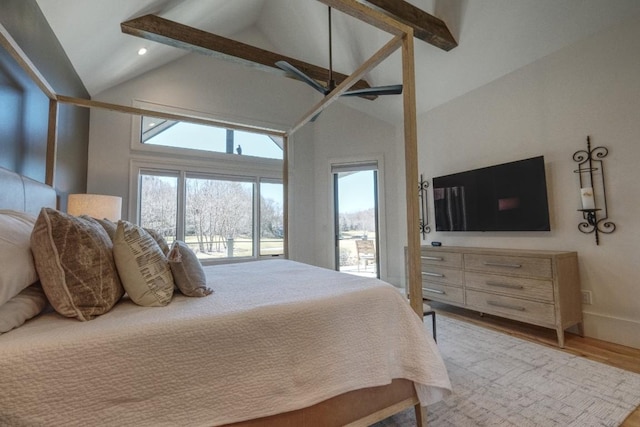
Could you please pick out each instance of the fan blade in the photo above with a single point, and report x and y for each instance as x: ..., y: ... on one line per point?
x: 379, y: 90
x: 283, y: 65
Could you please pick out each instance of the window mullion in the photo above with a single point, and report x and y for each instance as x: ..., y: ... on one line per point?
x: 182, y: 197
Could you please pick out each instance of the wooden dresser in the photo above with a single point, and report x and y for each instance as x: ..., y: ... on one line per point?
x: 536, y: 287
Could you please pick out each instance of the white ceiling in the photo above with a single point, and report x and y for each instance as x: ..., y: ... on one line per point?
x: 495, y: 38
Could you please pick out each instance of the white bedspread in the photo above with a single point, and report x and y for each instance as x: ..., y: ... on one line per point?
x: 275, y: 336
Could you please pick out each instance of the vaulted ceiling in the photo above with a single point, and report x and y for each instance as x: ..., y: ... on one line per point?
x: 495, y: 37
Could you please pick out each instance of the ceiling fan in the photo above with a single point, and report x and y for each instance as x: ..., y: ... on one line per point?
x: 331, y: 84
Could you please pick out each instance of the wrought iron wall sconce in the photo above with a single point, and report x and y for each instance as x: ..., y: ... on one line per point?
x: 424, y: 211
x: 594, y: 209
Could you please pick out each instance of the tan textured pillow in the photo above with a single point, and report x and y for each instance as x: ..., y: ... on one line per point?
x: 108, y: 225
x: 74, y: 260
x: 187, y: 271
x: 159, y: 240
x: 143, y: 268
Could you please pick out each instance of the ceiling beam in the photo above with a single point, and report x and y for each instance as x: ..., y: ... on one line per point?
x: 157, y: 29
x: 426, y: 27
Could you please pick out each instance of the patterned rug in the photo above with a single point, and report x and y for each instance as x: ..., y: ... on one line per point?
x: 500, y: 380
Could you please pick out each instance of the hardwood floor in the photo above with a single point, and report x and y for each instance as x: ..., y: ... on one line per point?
x: 612, y: 354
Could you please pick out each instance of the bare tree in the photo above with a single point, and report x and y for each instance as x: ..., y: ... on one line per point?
x: 159, y: 204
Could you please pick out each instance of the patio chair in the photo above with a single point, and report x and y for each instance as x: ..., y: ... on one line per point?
x: 366, y: 252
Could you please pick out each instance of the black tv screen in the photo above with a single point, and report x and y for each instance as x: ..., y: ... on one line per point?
x: 506, y: 197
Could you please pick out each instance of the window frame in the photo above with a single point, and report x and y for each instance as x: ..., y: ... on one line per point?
x: 185, y: 162
x: 269, y: 129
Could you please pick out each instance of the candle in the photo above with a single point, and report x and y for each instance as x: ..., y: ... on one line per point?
x: 588, y: 201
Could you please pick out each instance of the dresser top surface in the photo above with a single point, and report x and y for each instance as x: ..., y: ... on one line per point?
x: 498, y: 251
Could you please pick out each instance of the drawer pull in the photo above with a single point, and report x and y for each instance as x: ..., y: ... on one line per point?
x: 502, y: 264
x: 435, y: 291
x: 509, y: 306
x: 504, y: 285
x: 428, y: 273
x: 433, y: 258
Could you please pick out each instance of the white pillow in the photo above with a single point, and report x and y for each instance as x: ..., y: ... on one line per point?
x: 142, y: 266
x: 17, y: 270
x: 27, y: 304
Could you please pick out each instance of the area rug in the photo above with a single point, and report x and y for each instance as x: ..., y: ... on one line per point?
x: 500, y: 380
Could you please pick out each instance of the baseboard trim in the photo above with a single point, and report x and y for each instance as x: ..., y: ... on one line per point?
x: 613, y: 329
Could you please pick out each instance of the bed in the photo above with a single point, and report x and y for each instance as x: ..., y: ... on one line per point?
x: 277, y: 343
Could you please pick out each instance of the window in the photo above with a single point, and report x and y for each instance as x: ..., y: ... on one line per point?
x: 159, y: 204
x: 171, y: 133
x: 271, y: 219
x: 219, y: 217
x: 216, y: 216
x: 217, y: 188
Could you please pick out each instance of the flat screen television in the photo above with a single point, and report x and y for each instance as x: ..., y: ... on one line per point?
x: 505, y: 197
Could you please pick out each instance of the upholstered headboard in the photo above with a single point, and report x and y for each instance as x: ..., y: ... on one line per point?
x: 20, y: 193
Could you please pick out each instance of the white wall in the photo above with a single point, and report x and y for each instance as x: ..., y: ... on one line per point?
x: 241, y: 94
x: 342, y: 135
x: 548, y: 108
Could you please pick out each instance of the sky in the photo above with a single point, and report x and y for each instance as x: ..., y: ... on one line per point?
x: 356, y: 192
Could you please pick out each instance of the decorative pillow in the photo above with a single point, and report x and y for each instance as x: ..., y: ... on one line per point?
x: 17, y: 270
x: 142, y: 266
x: 27, y: 304
x: 108, y: 225
x: 159, y: 240
x: 74, y: 260
x: 187, y: 271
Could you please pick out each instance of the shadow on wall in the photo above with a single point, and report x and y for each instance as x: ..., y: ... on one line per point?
x: 12, y: 119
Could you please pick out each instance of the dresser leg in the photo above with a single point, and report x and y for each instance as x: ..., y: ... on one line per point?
x: 560, y: 333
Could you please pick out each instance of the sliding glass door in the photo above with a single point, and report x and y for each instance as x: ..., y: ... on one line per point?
x: 356, y: 218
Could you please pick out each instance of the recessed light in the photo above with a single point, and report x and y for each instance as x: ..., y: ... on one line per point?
x: 142, y: 51
x: 151, y: 124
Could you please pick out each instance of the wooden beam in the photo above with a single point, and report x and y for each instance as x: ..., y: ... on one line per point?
x: 87, y: 103
x: 369, y: 15
x: 52, y: 144
x: 157, y: 29
x: 21, y: 58
x: 426, y: 27
x: 286, y: 194
x: 414, y: 279
x: 367, y: 66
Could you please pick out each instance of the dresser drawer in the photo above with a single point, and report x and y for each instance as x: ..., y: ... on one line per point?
x: 539, y: 313
x: 445, y: 259
x: 444, y: 293
x: 515, y: 265
x: 519, y: 287
x: 445, y: 275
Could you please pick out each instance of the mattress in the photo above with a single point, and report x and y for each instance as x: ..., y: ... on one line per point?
x: 275, y: 336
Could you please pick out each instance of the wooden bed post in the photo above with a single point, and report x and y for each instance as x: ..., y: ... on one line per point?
x: 52, y: 143
x: 285, y: 190
x: 414, y: 277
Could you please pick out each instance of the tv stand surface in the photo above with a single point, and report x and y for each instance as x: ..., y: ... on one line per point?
x: 531, y: 286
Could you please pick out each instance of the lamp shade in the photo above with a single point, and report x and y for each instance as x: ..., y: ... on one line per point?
x: 95, y: 205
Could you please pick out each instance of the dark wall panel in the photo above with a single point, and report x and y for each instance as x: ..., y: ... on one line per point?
x: 24, y: 108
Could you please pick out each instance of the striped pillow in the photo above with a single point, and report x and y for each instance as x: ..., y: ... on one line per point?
x: 142, y: 266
